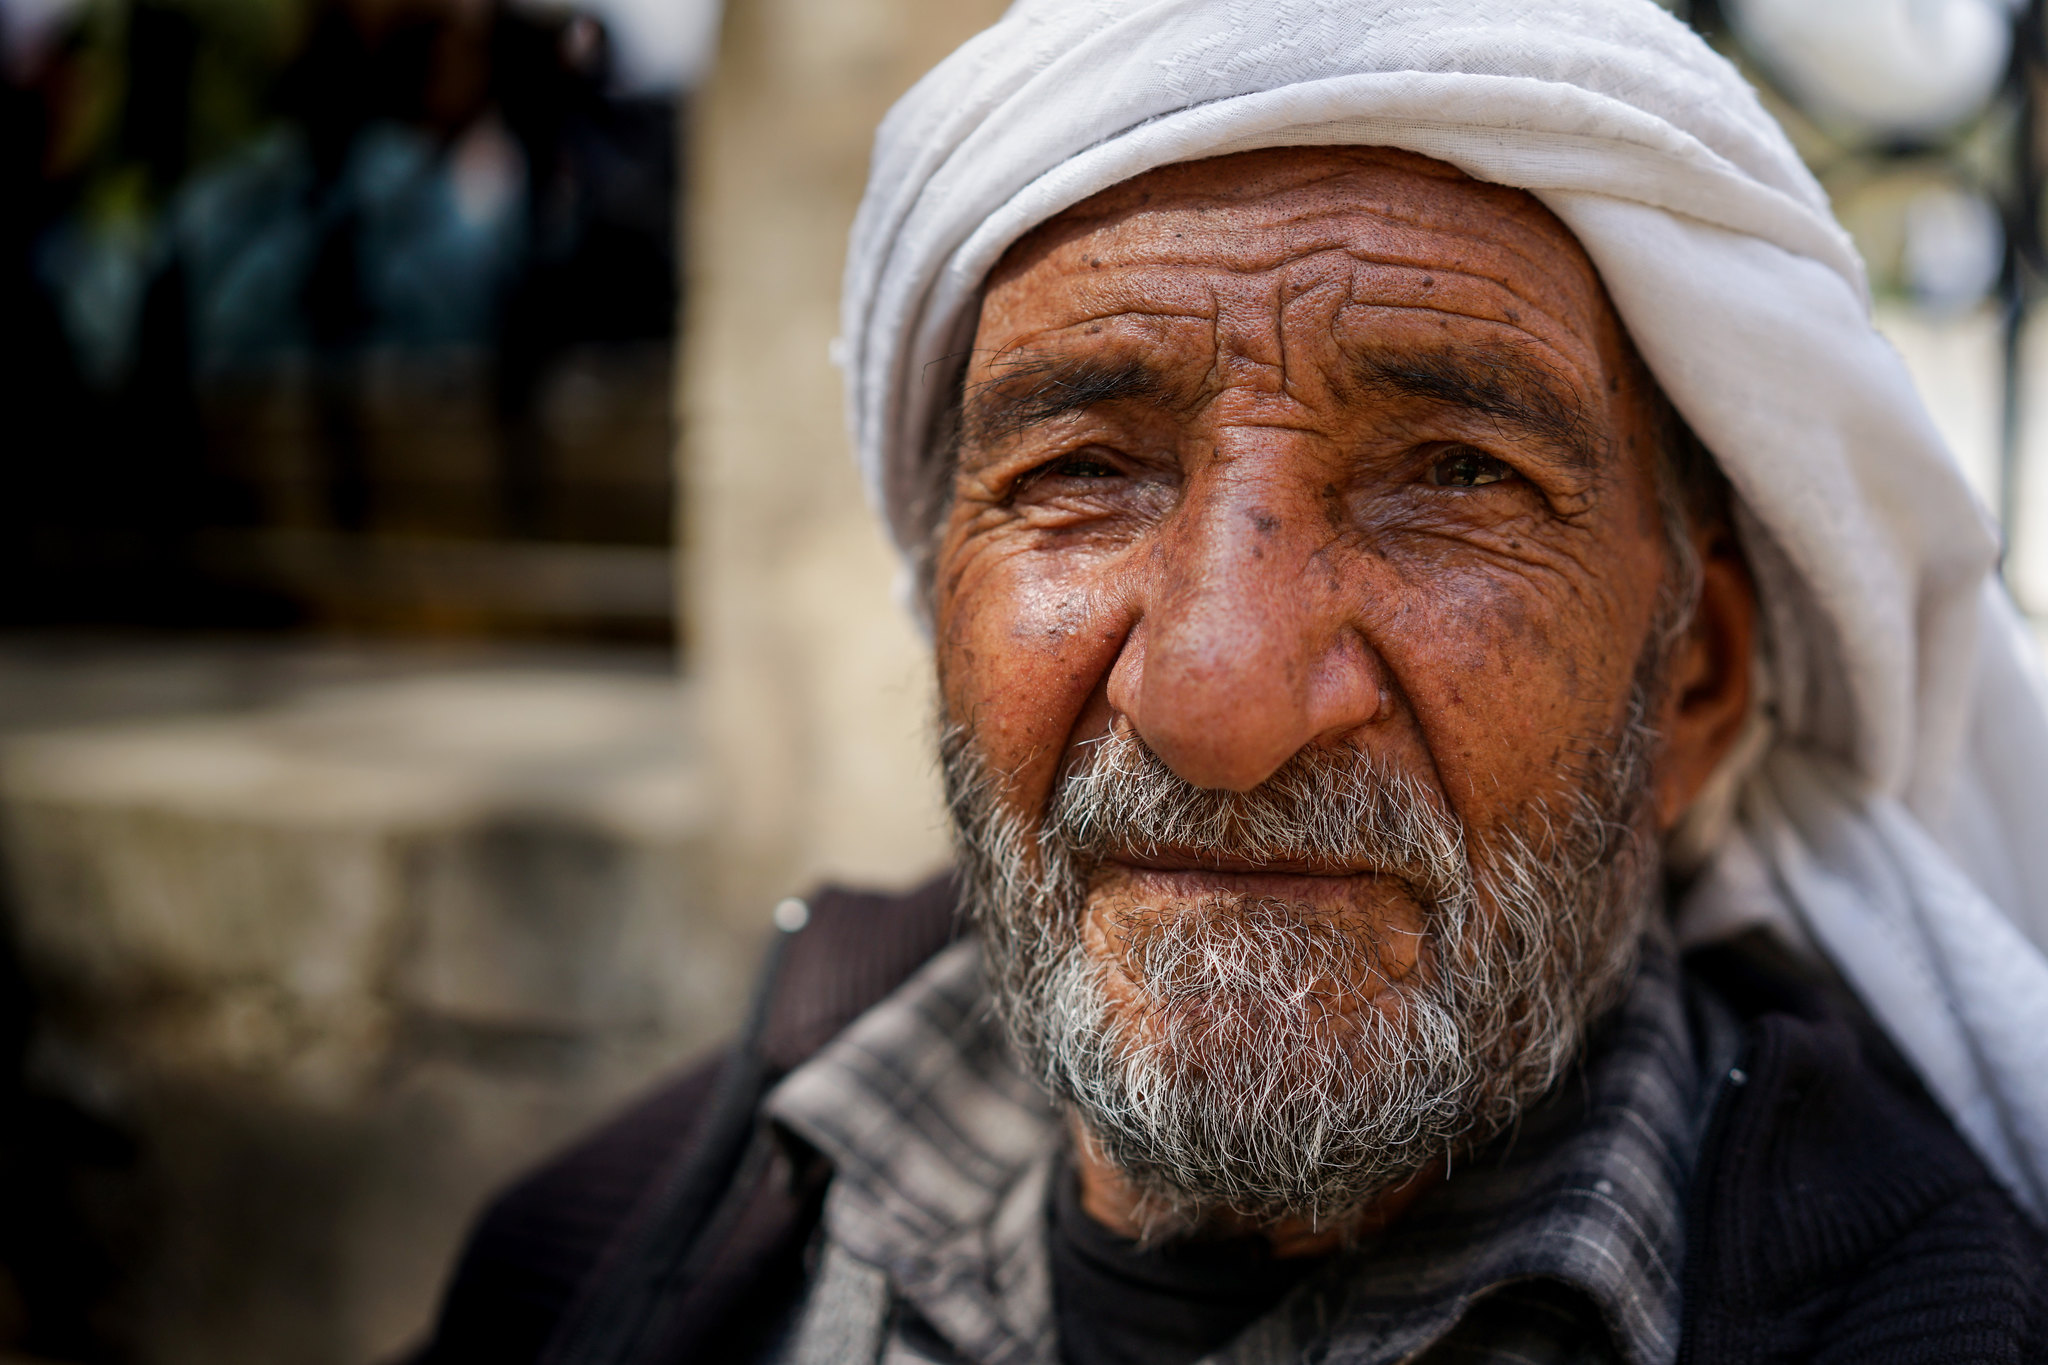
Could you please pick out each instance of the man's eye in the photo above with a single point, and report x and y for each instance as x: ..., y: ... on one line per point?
x: 1468, y: 468
x: 1082, y: 466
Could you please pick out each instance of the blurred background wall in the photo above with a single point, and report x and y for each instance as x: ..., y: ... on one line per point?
x: 814, y: 689
x: 382, y: 797
x: 438, y: 616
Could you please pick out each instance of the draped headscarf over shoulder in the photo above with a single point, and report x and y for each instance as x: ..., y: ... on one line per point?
x: 1888, y: 808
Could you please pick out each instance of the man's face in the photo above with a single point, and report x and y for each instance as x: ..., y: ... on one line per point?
x: 1333, y: 465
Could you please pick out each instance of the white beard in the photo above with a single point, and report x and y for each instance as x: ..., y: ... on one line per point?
x: 1221, y: 1053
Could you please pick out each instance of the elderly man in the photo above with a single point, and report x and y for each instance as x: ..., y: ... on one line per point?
x: 1494, y: 786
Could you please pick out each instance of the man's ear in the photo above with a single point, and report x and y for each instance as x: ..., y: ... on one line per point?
x: 1707, y: 679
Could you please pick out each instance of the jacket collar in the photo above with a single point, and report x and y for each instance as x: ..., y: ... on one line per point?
x: 942, y: 1149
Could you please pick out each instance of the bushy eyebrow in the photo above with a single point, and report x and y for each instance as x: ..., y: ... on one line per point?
x: 1027, y: 389
x: 1493, y: 380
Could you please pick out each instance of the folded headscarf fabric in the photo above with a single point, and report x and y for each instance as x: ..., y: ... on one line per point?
x: 1889, y: 805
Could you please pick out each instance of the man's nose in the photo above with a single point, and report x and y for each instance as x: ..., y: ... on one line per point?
x: 1248, y: 649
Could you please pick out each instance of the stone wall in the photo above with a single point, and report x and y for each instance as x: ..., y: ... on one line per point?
x: 814, y: 683
x: 312, y: 977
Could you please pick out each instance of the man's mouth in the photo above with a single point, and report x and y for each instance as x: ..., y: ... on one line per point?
x: 1167, y: 859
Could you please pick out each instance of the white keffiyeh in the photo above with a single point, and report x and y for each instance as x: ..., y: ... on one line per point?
x: 1890, y: 804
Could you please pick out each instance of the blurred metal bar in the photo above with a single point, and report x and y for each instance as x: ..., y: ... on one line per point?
x: 2023, y: 264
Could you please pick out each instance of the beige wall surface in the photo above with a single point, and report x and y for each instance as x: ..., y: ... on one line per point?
x: 814, y: 685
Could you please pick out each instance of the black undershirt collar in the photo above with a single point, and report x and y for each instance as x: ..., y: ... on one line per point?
x: 1117, y: 1303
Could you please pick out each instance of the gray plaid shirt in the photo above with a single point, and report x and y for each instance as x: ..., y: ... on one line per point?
x: 1560, y: 1243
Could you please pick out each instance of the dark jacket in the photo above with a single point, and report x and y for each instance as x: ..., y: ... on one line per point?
x: 1836, y: 1215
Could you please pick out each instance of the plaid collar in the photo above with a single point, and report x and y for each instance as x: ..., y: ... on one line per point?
x: 1561, y: 1241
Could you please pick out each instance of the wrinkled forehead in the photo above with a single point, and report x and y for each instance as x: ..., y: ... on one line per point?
x: 1259, y: 210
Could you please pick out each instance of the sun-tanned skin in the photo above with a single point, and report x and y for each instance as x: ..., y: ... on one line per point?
x: 1315, y: 447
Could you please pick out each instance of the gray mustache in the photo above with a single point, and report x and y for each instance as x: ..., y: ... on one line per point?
x: 1340, y: 808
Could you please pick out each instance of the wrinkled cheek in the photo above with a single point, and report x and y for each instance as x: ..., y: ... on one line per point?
x: 1017, y: 664
x: 1505, y: 687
